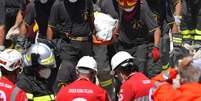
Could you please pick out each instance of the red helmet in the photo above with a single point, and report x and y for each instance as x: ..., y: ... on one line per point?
x: 127, y: 4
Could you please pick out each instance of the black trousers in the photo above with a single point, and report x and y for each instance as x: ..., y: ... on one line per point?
x: 191, y: 12
x: 71, y: 52
x: 102, y: 55
x: 164, y: 49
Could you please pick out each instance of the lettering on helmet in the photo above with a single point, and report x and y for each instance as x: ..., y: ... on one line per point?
x: 14, y: 65
x: 3, y: 62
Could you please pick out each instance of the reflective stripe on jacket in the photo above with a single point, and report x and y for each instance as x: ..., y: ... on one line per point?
x: 50, y: 97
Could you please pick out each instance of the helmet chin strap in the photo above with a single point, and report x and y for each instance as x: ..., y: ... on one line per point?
x: 36, y: 38
x: 72, y: 1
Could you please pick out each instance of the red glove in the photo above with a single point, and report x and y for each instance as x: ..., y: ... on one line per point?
x: 173, y: 73
x: 155, y: 54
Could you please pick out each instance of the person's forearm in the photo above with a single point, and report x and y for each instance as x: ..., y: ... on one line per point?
x: 178, y: 8
x: 23, y: 29
x: 177, y: 16
x: 2, y: 31
x: 19, y: 18
x: 49, y: 33
x: 157, y: 35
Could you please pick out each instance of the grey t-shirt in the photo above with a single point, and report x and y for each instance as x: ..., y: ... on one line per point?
x: 106, y: 6
x: 163, y: 13
x: 72, y: 16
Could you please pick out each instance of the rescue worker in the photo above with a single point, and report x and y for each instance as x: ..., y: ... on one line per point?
x: 177, y: 37
x: 39, y: 61
x: 37, y: 15
x: 10, y: 15
x: 163, y: 12
x: 10, y: 67
x: 135, y: 85
x: 190, y: 22
x: 139, y: 32
x: 72, y: 22
x: 188, y: 88
x: 102, y: 48
x: 83, y: 89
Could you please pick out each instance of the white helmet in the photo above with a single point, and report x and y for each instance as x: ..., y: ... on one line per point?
x: 87, y: 62
x: 10, y: 59
x: 46, y: 55
x: 120, y: 57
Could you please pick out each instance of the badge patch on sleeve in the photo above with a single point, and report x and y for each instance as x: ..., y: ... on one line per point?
x: 2, y: 96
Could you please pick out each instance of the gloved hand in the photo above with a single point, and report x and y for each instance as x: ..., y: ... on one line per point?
x: 155, y: 54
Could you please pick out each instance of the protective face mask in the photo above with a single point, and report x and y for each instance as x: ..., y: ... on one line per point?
x: 73, y: 1
x: 43, y: 1
x: 45, y: 73
x: 129, y: 9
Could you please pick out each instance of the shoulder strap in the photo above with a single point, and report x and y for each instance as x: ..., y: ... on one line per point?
x: 90, y: 18
x: 138, y: 9
x: 14, y: 93
x: 116, y: 7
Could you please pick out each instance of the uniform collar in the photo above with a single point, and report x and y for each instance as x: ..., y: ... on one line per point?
x: 83, y: 78
x: 131, y: 75
x: 6, y: 80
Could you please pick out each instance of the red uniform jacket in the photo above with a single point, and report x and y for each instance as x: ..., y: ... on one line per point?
x: 9, y: 92
x: 82, y: 90
x: 135, y: 88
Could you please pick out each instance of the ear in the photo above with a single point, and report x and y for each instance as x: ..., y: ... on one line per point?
x: 77, y: 72
x: 20, y: 70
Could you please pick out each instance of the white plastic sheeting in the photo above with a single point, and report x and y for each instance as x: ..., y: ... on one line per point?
x: 104, y: 25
